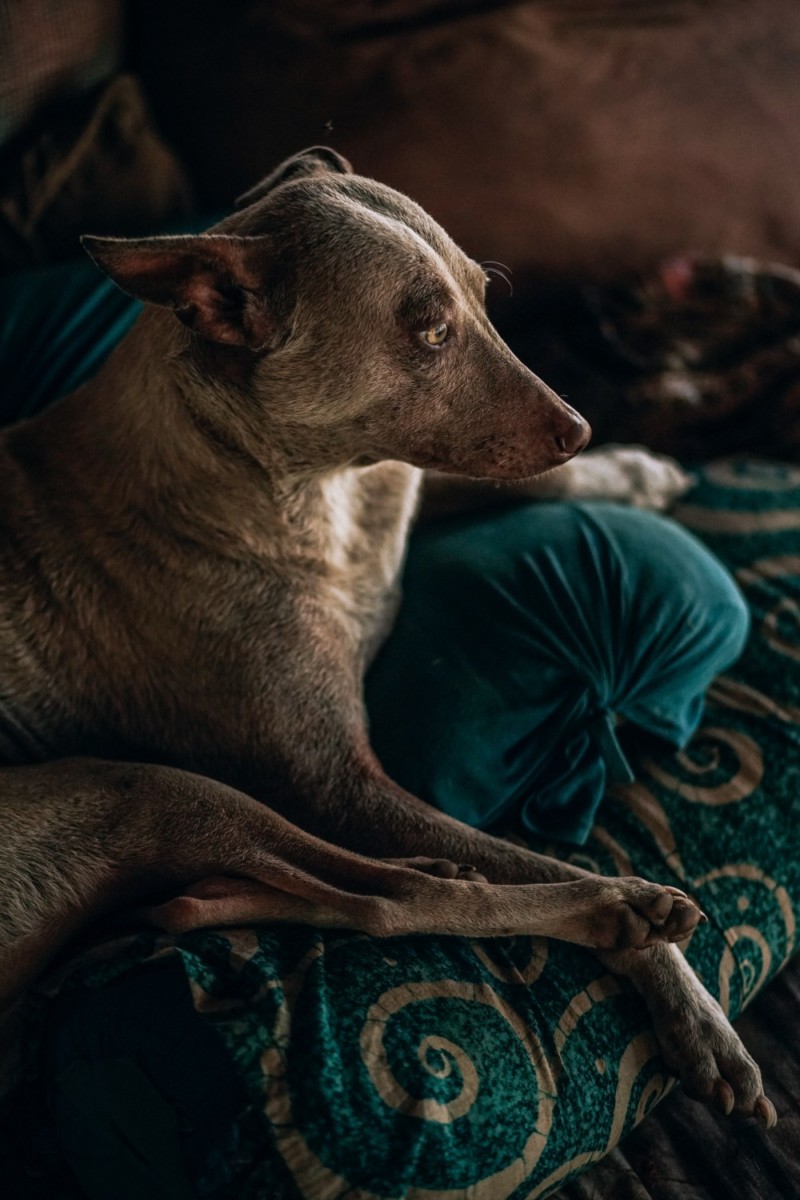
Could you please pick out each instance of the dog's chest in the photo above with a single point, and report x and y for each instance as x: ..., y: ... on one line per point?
x: 368, y: 513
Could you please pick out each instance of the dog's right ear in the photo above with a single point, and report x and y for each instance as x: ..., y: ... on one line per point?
x: 316, y: 160
x: 214, y: 283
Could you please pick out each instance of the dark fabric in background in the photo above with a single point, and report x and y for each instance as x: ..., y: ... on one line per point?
x: 575, y: 138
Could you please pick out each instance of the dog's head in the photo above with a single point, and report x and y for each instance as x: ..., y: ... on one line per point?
x: 355, y: 323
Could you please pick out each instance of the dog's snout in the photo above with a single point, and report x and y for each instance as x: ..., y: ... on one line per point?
x: 573, y: 435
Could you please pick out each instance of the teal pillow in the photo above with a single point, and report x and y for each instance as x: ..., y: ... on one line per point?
x: 524, y: 636
x: 57, y: 327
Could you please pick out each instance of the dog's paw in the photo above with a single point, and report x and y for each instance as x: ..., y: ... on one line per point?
x: 441, y: 868
x: 703, y: 1050
x: 629, y: 474
x: 630, y: 914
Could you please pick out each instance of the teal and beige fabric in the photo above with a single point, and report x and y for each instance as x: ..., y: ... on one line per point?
x: 444, y: 1068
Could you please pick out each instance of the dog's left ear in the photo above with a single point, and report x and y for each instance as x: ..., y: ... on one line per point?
x: 215, y: 284
x: 316, y: 160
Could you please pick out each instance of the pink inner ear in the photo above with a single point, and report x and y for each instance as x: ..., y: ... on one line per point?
x: 221, y: 310
x: 201, y: 291
x: 213, y: 282
x: 210, y: 312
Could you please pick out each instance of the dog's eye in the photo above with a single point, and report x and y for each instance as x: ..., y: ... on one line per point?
x: 436, y: 335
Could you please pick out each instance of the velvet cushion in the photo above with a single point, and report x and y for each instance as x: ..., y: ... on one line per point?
x: 98, y: 166
x: 556, y: 136
x: 524, y: 636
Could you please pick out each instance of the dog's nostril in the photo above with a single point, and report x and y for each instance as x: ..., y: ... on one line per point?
x: 574, y: 438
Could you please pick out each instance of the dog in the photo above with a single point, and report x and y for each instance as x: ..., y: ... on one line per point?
x: 199, y: 555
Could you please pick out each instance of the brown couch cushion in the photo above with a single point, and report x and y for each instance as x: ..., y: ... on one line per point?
x: 578, y: 136
x: 98, y: 167
x: 51, y: 50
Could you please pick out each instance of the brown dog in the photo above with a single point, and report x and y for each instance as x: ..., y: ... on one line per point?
x: 199, y: 553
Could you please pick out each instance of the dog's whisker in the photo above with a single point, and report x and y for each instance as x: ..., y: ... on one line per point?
x: 494, y: 271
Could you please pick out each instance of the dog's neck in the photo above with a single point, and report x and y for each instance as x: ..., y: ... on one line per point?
x: 160, y: 436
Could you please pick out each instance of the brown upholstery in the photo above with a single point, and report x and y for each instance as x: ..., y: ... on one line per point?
x: 98, y: 167
x: 559, y: 136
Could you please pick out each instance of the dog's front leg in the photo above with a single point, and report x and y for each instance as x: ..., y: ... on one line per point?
x: 697, y: 1042
x: 83, y: 837
x: 696, y: 1039
x: 358, y: 806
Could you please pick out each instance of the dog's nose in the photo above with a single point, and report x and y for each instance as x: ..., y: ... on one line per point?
x: 574, y: 434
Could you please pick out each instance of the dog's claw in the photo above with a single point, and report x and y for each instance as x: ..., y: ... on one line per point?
x: 441, y: 868
x: 765, y: 1113
x: 724, y: 1097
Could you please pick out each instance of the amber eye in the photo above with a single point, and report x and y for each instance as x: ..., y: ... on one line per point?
x: 436, y: 335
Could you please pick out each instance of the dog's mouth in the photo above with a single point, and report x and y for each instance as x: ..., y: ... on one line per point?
x: 508, y: 443
x: 499, y: 459
x: 514, y: 460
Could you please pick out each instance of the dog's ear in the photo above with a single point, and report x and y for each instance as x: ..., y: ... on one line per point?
x: 214, y: 283
x: 316, y: 160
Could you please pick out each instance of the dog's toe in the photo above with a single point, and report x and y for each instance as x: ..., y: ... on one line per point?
x: 728, y: 1079
x: 765, y: 1112
x: 440, y: 868
x: 709, y: 1058
x: 644, y: 913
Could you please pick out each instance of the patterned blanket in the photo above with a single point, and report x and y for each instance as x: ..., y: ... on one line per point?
x: 446, y: 1068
